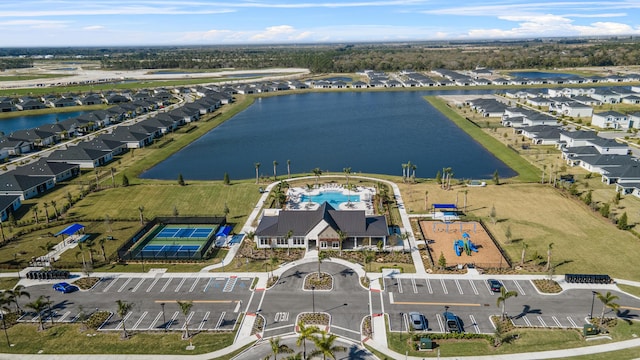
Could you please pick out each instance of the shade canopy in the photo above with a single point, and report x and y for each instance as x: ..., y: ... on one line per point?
x: 445, y: 206
x: 71, y: 229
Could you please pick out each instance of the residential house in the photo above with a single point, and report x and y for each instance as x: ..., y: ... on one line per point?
x: 60, y: 171
x: 86, y: 158
x: 24, y: 186
x: 610, y: 120
x: 8, y: 204
x: 39, y: 138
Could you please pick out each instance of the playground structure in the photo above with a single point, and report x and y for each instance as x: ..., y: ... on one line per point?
x: 465, y: 245
x: 468, y: 237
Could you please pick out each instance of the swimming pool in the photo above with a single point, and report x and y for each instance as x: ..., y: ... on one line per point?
x: 334, y: 198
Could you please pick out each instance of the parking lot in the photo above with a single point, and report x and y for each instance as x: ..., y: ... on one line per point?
x: 217, y: 302
x: 474, y: 303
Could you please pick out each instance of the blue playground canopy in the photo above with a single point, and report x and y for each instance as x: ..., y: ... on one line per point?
x: 445, y: 206
x: 70, y: 230
x: 224, y: 231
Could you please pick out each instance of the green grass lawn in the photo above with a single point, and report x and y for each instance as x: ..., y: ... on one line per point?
x: 31, y: 77
x: 69, y: 339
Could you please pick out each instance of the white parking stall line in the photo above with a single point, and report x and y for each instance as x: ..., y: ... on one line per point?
x: 208, y: 284
x: 109, y: 285
x: 542, y: 321
x: 166, y: 285
x: 520, y: 289
x: 399, y: 282
x: 152, y: 284
x: 415, y: 287
x: 488, y: 288
x: 180, y: 284
x: 184, y: 326
x: 194, y: 285
x: 429, y: 286
x: 220, y: 320
x: 119, y: 326
x: 204, y: 320
x: 390, y: 298
x: 475, y: 324
x: 135, y: 326
x: 64, y: 316
x: 573, y: 323
x: 473, y: 286
x: 173, y: 319
x: 135, y: 288
x: 555, y: 319
x: 155, y: 321
x: 440, y: 322
x: 459, y: 287
x: 526, y: 321
x: 444, y: 287
x: 124, y: 285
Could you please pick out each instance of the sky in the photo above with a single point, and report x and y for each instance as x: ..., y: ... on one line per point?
x: 27, y: 23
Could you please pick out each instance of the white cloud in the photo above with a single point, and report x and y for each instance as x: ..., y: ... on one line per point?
x: 93, y: 27
x: 274, y: 32
x: 34, y: 24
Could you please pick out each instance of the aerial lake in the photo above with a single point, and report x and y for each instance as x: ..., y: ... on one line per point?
x: 13, y: 124
x: 370, y: 132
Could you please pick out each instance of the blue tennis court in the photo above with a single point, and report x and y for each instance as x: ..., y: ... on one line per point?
x: 181, y: 233
x: 164, y: 251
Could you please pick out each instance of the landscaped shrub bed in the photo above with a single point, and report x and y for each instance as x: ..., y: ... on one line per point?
x: 97, y: 319
x: 86, y: 283
x: 324, y: 282
x: 547, y: 286
x: 321, y: 319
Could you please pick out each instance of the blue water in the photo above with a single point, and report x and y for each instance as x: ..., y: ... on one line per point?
x: 334, y: 198
x: 13, y: 124
x: 539, y: 74
x: 371, y: 132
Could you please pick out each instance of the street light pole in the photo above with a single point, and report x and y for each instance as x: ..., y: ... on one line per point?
x: 164, y: 319
x: 593, y: 298
x: 313, y: 298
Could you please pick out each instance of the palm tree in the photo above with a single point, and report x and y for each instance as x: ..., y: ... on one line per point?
x: 278, y: 348
x: 81, y: 252
x: 123, y: 309
x: 524, y: 251
x: 38, y: 306
x: 101, y: 244
x: 306, y: 333
x: 141, y: 212
x: 289, y: 169
x: 404, y: 171
x: 46, y: 211
x: 321, y: 256
x: 185, y: 306
x: 16, y: 293
x: 55, y: 209
x: 502, y: 299
x: 465, y: 200
x: 368, y: 258
x: 90, y: 244
x: 426, y: 200
x: 607, y: 302
x: 325, y: 346
x: 341, y: 237
x: 548, y: 266
x: 113, y: 178
x: 289, y: 235
x: 413, y: 172
x: 34, y: 208
x: 4, y: 309
x: 275, y: 177
x: 257, y: 166
x: 317, y: 172
x: 347, y: 172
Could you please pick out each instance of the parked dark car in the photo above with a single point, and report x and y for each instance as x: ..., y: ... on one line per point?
x: 453, y: 322
x: 494, y: 285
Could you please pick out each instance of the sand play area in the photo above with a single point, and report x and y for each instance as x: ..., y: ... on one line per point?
x: 441, y: 236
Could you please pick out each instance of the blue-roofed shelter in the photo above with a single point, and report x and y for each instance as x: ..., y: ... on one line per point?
x: 70, y: 230
x: 224, y: 231
x: 445, y: 206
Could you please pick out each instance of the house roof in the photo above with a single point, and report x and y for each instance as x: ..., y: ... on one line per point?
x: 43, y: 167
x: 101, y: 143
x: 608, y: 143
x: 580, y: 134
x: 609, y: 113
x: 301, y: 222
x: 75, y: 153
x: 7, y: 200
x: 11, y: 181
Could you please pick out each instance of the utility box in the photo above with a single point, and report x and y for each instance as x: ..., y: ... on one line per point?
x: 426, y: 344
x: 589, y: 329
